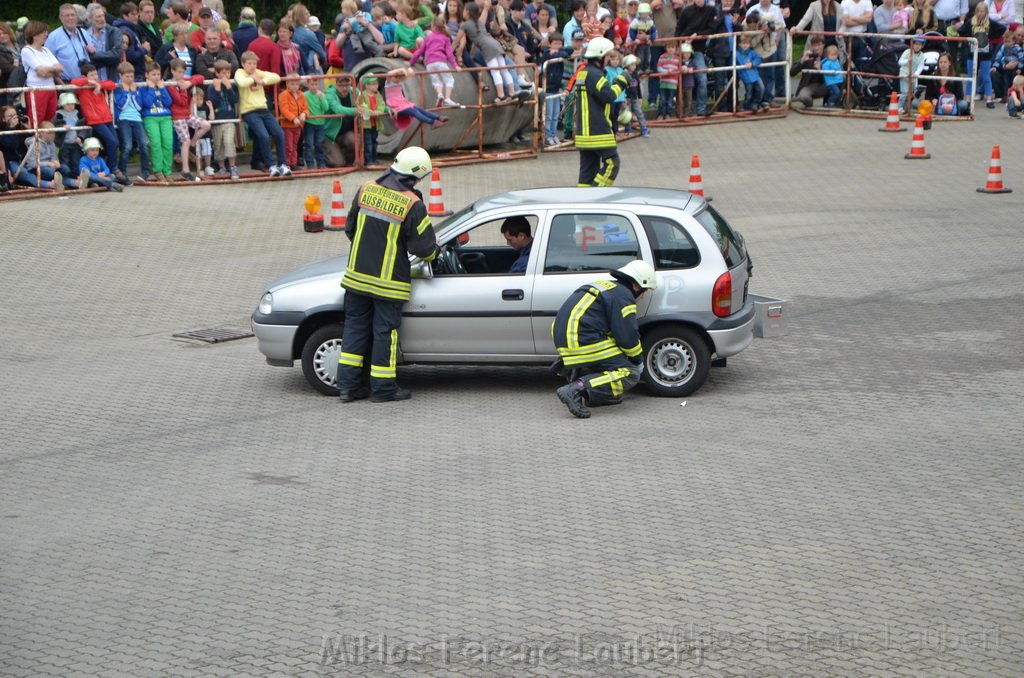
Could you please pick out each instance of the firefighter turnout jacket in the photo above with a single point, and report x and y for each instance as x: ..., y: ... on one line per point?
x: 385, y: 225
x: 597, y: 322
x: 594, y: 98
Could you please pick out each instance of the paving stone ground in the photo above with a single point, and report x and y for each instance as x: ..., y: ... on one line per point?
x: 843, y: 501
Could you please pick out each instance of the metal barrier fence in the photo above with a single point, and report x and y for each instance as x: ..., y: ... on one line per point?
x: 854, y: 78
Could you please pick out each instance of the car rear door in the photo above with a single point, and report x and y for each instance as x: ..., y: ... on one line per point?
x: 731, y: 246
x: 580, y: 245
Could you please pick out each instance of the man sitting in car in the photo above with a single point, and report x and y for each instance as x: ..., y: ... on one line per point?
x: 517, y: 234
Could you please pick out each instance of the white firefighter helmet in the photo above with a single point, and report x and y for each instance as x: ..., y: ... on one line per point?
x: 637, y: 271
x: 625, y: 117
x: 597, y: 48
x: 629, y: 60
x: 413, y: 161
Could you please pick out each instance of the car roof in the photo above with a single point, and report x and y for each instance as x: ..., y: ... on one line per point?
x: 591, y: 196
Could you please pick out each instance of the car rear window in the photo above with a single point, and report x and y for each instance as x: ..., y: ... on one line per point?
x: 729, y: 243
x: 670, y: 242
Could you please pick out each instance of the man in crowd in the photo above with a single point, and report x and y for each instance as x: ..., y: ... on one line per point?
x: 148, y: 32
x: 246, y: 31
x: 212, y: 51
x: 69, y: 43
x: 698, y: 19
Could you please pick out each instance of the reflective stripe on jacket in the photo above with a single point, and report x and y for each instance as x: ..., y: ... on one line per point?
x: 385, y: 226
x: 597, y: 322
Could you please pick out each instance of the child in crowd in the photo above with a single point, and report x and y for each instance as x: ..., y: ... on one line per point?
x: 553, y: 77
x: 182, y: 118
x: 642, y: 34
x: 408, y: 34
x: 224, y: 98
x: 92, y: 95
x: 93, y: 170
x: 383, y: 17
x: 613, y: 69
x: 67, y: 118
x: 905, y: 9
x: 316, y: 106
x: 401, y: 108
x: 621, y: 25
x: 634, y: 96
x: 294, y: 110
x: 833, y: 75
x: 688, y: 80
x: 156, y: 120
x: 747, y: 63
x: 370, y: 107
x: 50, y: 167
x: 437, y: 54
x: 668, y: 70
x: 1015, y: 97
x: 591, y: 24
x: 361, y: 40
x: 261, y: 122
x: 911, y: 62
x: 202, y: 108
x: 128, y: 114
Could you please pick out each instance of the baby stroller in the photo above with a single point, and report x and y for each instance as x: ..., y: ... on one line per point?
x: 884, y: 61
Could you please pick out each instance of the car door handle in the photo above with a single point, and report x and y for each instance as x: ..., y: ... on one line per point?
x: 511, y: 295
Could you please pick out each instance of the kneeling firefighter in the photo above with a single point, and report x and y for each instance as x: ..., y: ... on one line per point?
x: 386, y: 222
x: 598, y: 338
x: 594, y: 137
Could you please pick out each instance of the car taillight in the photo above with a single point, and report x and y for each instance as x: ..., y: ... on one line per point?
x: 721, y: 295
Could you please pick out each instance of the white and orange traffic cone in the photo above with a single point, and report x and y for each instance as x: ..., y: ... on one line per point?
x: 435, y: 207
x: 696, y: 182
x: 892, y: 120
x: 995, y: 175
x: 917, y: 151
x: 339, y: 217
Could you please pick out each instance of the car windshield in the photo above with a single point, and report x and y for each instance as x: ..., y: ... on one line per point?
x: 730, y: 244
x: 446, y: 224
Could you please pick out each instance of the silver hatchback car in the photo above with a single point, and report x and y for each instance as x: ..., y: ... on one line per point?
x: 467, y: 308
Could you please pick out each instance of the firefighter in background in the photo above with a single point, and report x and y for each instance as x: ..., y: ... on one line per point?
x: 594, y: 94
x: 598, y: 338
x: 386, y: 222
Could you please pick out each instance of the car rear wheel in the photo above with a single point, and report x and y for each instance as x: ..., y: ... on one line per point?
x: 676, y: 361
x: 320, y: 358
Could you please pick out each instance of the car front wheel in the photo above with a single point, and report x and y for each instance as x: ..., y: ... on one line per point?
x: 320, y: 358
x: 676, y: 361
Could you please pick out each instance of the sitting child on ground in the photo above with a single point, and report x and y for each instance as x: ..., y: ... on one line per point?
x: 92, y: 170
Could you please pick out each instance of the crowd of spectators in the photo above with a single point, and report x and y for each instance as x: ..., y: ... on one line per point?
x: 159, y: 81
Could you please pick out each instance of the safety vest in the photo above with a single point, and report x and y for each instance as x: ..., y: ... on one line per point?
x: 385, y: 225
x: 597, y: 322
x: 594, y: 98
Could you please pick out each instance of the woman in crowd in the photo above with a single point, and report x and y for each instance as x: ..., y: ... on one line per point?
x: 12, y: 147
x: 985, y: 31
x: 42, y: 70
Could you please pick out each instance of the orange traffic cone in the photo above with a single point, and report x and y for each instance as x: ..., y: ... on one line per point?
x: 917, y: 151
x: 696, y: 183
x: 339, y: 217
x: 995, y: 175
x: 435, y: 207
x: 892, y: 120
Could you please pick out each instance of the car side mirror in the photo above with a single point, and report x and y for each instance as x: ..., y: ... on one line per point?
x: 421, y: 269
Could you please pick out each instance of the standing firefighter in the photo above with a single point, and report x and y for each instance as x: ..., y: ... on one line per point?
x: 387, y: 221
x: 594, y: 94
x: 598, y: 338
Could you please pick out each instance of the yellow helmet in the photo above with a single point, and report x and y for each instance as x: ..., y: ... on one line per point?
x: 597, y: 48
x: 413, y: 161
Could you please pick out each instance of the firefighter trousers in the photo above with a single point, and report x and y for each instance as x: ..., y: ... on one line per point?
x: 607, y: 380
x: 370, y: 324
x: 599, y: 167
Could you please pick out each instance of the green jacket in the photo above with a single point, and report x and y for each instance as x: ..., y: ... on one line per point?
x: 336, y: 107
x: 317, y: 106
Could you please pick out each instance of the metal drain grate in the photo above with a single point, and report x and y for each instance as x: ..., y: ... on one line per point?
x: 215, y: 335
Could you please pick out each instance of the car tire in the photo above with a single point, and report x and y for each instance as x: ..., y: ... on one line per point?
x: 676, y: 361
x: 320, y: 358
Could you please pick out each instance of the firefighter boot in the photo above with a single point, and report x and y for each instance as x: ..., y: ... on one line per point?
x: 572, y: 395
